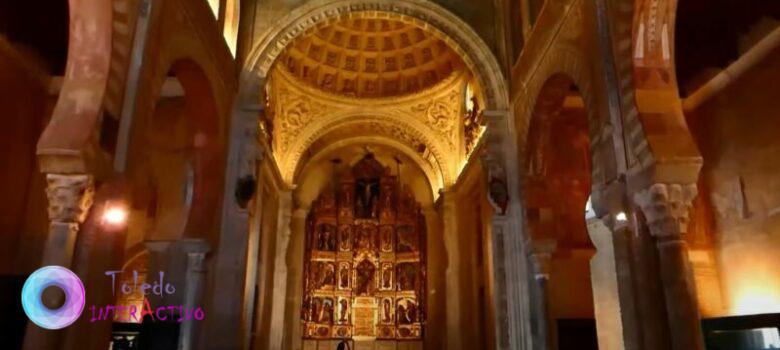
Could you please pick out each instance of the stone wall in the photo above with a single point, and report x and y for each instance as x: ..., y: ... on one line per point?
x: 737, y: 133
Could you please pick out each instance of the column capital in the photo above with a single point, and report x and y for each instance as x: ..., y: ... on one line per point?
x: 70, y: 197
x: 666, y: 207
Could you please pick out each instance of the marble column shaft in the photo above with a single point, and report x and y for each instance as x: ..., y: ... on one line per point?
x: 666, y: 208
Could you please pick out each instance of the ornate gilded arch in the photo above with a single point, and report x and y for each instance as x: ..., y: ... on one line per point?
x: 460, y: 36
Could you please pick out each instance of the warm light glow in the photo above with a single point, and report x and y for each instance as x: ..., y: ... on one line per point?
x: 115, y: 215
x: 756, y: 300
x: 621, y: 216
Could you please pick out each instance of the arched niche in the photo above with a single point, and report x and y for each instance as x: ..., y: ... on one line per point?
x: 175, y: 159
x: 558, y: 168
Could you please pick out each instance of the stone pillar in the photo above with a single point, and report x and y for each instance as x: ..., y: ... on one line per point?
x: 666, y: 208
x: 194, y: 284
x: 295, y: 249
x: 613, y: 291
x: 159, y: 261
x: 453, y: 283
x: 279, y: 288
x: 225, y: 322
x: 70, y: 198
x: 512, y: 293
x: 541, y: 262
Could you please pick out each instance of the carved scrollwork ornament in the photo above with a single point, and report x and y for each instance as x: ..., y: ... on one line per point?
x: 666, y: 207
x: 69, y: 196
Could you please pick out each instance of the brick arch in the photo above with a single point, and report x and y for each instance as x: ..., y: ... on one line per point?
x: 66, y: 143
x: 644, y: 45
x: 566, y: 61
x: 459, y: 35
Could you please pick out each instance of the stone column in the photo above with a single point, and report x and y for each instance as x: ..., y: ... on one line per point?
x: 279, y: 288
x: 70, y: 198
x: 194, y: 283
x: 666, y: 208
x: 453, y: 283
x: 295, y: 249
x: 613, y: 291
x: 159, y: 261
x: 541, y: 262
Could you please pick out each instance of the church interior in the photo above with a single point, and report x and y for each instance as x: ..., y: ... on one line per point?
x: 392, y: 175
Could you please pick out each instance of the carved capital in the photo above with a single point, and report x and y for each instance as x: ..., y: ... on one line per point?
x: 70, y: 197
x: 666, y: 207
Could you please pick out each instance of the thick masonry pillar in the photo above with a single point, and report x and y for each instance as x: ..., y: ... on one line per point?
x: 453, y: 285
x: 513, y: 318
x: 666, y: 208
x: 279, y: 291
x: 226, y: 321
x: 70, y: 198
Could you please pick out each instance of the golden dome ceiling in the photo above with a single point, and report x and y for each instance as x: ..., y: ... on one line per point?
x: 373, y: 57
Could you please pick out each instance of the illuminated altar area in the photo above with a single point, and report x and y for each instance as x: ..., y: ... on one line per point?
x: 364, y: 268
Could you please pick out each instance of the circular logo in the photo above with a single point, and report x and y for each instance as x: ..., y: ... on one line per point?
x: 59, y: 277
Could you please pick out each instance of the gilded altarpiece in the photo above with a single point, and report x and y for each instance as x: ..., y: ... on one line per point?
x: 364, y: 264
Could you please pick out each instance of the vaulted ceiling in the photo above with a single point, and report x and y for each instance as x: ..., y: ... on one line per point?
x: 370, y: 57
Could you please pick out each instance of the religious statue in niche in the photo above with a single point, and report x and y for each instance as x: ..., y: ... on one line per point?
x: 387, y: 276
x: 364, y: 281
x: 343, y: 311
x: 344, y: 276
x: 367, y: 193
x: 327, y: 311
x: 326, y: 238
x: 387, y: 310
x: 345, y: 238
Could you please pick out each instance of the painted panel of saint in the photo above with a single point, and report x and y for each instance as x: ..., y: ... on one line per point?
x: 406, y: 275
x: 323, y: 275
x: 407, y: 240
x: 326, y: 238
x: 345, y: 238
x: 406, y: 312
x: 364, y: 279
x: 326, y: 316
x: 386, y: 238
x: 343, y: 276
x: 387, y: 310
x: 343, y: 311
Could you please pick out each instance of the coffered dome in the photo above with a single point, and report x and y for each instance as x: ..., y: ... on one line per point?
x: 364, y: 56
